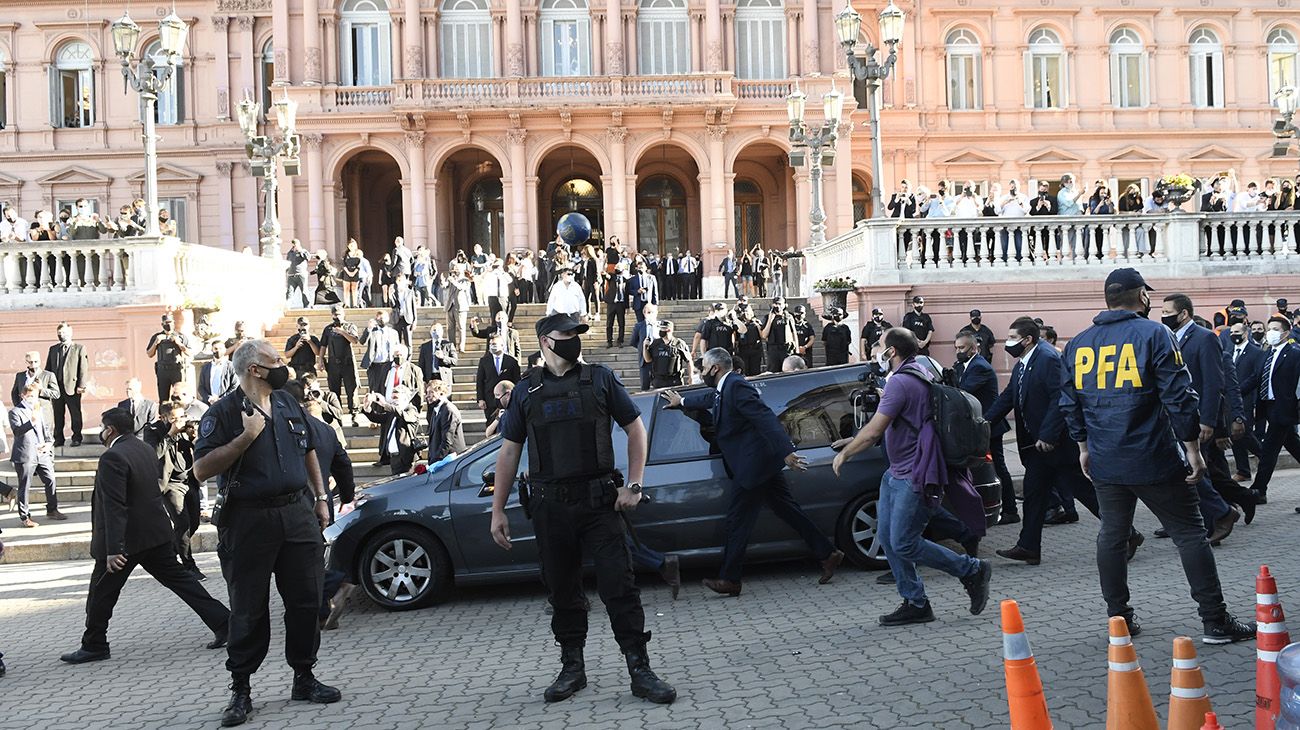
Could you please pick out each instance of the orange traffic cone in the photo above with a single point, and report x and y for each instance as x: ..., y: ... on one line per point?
x: 1024, y: 688
x: 1188, y: 700
x: 1128, y: 701
x: 1211, y: 722
x: 1270, y: 636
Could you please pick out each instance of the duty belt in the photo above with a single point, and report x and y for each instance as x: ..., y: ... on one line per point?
x: 569, y: 492
x: 269, y: 502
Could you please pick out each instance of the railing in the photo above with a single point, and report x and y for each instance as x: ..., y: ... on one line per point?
x: 364, y: 97
x: 766, y: 89
x: 953, y: 250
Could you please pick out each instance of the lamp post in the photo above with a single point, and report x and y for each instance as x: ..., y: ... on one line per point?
x: 265, y: 156
x: 1284, y: 127
x: 816, y: 147
x: 148, y: 77
x: 847, y: 26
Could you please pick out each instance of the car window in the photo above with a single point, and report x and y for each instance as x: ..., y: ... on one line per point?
x: 472, y: 473
x: 820, y: 416
x: 675, y: 437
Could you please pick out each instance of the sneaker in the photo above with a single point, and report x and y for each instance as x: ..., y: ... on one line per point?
x: 1227, y: 630
x: 977, y: 586
x: 908, y: 614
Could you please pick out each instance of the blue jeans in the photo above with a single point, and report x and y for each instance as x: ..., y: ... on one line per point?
x: 902, y: 518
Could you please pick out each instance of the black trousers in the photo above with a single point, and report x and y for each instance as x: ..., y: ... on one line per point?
x: 776, y: 358
x: 375, y: 376
x: 166, y: 379
x: 343, y: 377
x: 71, y: 403
x: 753, y: 361
x: 729, y: 286
x: 1248, y: 444
x: 742, y: 515
x: 1176, y: 505
x: 495, y: 305
x: 666, y: 381
x: 295, y: 291
x: 615, y: 311
x: 567, y: 531
x: 253, y: 544
x: 1220, y: 474
x: 1042, y: 472
x: 835, y: 358
x: 1276, y: 437
x: 161, y: 563
x: 177, y: 499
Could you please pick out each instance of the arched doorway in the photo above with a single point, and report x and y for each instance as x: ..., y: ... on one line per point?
x: 861, y: 200
x: 764, y: 202
x: 486, y: 212
x: 661, y: 215
x: 569, y: 182
x: 372, y: 197
x: 578, y: 195
x: 471, y: 198
x: 748, y: 214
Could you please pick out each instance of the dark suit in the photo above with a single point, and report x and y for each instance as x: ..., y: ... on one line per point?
x: 438, y: 366
x: 404, y: 315
x: 227, y: 383
x: 446, y: 434
x: 511, y: 338
x: 143, y: 412
x: 1034, y: 394
x: 400, y: 426
x: 615, y: 307
x: 1248, y: 365
x: 49, y: 391
x: 179, y: 487
x: 1211, y: 371
x: 754, y: 447
x: 128, y: 518
x: 69, y: 364
x: 31, y: 433
x: 638, y: 299
x: 487, y: 377
x: 977, y: 377
x: 1279, y: 412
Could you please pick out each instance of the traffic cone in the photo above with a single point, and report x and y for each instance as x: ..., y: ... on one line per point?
x: 1188, y: 701
x: 1024, y: 688
x: 1211, y: 722
x: 1270, y: 636
x: 1128, y: 701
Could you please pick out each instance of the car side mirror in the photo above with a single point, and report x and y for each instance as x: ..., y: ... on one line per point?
x: 489, y: 476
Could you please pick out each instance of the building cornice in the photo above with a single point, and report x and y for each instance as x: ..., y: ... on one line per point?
x: 1046, y: 12
x: 70, y: 24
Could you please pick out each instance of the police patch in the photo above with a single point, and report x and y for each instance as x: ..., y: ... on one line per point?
x: 207, y: 426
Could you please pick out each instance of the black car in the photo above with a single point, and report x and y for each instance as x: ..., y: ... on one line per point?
x: 412, y: 538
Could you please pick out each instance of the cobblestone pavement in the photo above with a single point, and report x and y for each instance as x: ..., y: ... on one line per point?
x: 787, y: 653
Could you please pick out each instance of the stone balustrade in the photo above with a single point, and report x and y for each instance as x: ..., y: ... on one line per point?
x: 883, y: 252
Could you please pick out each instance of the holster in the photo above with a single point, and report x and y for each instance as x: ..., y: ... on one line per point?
x: 526, y: 497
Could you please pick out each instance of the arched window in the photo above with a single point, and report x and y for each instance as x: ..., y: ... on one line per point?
x: 1206, y: 55
x: 663, y: 37
x: 1282, y: 60
x: 266, y: 69
x: 365, y: 40
x: 661, y: 215
x: 465, y: 30
x: 748, y: 214
x: 1128, y: 69
x: 170, y: 107
x: 963, y: 51
x: 72, y: 86
x: 760, y: 39
x: 566, y: 38
x: 861, y: 200
x: 1046, y: 74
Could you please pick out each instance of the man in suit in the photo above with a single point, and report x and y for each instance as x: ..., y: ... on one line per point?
x: 380, y: 341
x: 615, y: 295
x: 49, y: 386
x: 172, y: 438
x: 69, y: 365
x: 976, y: 376
x: 493, y: 368
x: 130, y: 527
x: 500, y: 326
x: 446, y: 434
x: 1278, y: 403
x: 394, y: 391
x: 33, y: 453
x: 642, y: 289
x: 728, y: 270
x: 1248, y: 359
x: 1050, y: 457
x: 404, y: 312
x: 216, y: 377
x: 437, y: 356
x: 458, y: 303
x: 755, y: 452
x: 143, y: 411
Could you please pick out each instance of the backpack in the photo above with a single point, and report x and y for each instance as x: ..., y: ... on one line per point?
x: 959, y: 421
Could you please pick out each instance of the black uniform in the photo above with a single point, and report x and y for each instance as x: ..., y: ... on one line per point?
x: 983, y: 337
x: 340, y: 367
x: 169, y: 367
x: 749, y: 345
x: 837, y: 338
x: 872, y: 330
x: 565, y: 422
x: 668, y: 362
x: 303, y: 360
x: 268, y: 526
x: 921, y: 326
x: 780, y: 340
x: 805, y: 333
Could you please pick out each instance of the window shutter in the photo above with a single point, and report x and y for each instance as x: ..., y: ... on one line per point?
x: 1065, y: 81
x: 56, y: 98
x: 384, y: 73
x: 584, y: 47
x: 1029, y: 80
x: 1146, y: 78
x: 548, y: 47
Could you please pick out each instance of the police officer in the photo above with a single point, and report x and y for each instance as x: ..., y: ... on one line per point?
x: 563, y: 412
x: 716, y: 330
x: 172, y: 349
x: 749, y: 340
x: 804, y: 334
x: 984, y: 336
x: 779, y: 334
x: 272, y: 507
x: 871, y: 332
x: 669, y: 358
x: 920, y: 324
x: 836, y: 336
x: 1128, y: 401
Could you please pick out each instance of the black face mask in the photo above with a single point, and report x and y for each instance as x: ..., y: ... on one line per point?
x: 1016, y: 350
x: 1238, y: 339
x: 710, y: 379
x: 918, y: 307
x: 976, y: 321
x: 167, y: 326
x: 1257, y: 336
x: 1146, y: 309
x: 964, y: 356
x: 568, y: 350
x: 276, y: 377
x: 1170, y: 321
x: 104, y: 436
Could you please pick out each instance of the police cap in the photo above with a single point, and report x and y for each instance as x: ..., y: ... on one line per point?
x: 975, y: 313
x: 665, y: 324
x: 877, y: 310
x: 1125, y: 279
x: 560, y: 322
x: 718, y: 307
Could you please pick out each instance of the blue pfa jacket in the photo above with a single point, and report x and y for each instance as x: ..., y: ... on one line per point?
x: 1127, y: 393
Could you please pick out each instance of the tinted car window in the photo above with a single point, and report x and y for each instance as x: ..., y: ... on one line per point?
x: 676, y: 437
x: 472, y: 473
x: 820, y: 416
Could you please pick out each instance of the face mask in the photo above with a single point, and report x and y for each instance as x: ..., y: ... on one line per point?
x: 64, y: 337
x: 496, y: 349
x: 1238, y: 339
x: 964, y: 356
x: 104, y: 436
x: 567, y: 350
x: 710, y: 379
x: 663, y: 334
x: 918, y: 307
x: 276, y: 377
x: 1146, y: 308
x: 1015, y: 348
x: 31, y: 368
x: 878, y: 317
x: 338, y: 319
x: 1170, y: 321
x: 883, y: 361
x: 167, y: 326
x: 1257, y: 336
x: 976, y: 321
x: 1273, y: 338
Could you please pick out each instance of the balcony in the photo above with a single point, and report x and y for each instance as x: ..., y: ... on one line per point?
x: 884, y: 252
x: 700, y: 89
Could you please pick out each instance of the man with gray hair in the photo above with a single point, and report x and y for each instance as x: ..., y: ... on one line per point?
x: 792, y: 364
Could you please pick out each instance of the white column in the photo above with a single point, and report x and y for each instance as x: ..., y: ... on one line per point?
x: 312, y: 69
x: 517, y: 212
x: 415, y: 160
x: 618, y: 174
x: 315, y: 192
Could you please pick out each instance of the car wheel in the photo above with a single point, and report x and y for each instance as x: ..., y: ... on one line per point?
x: 404, y: 567
x: 857, y: 534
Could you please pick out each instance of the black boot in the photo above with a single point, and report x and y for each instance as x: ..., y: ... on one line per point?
x: 572, y: 677
x: 307, y: 687
x: 644, y: 681
x: 241, y: 703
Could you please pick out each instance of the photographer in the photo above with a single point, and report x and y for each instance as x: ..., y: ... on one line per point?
x: 669, y: 359
x: 1100, y: 203
x: 380, y: 340
x: 173, y: 436
x: 1012, y: 205
x: 749, y: 340
x: 331, y: 410
x: 778, y: 335
x: 172, y: 350
x: 302, y: 349
x: 1045, y: 240
x: 1215, y: 201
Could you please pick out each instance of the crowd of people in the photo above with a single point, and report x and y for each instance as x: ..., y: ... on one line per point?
x: 80, y: 222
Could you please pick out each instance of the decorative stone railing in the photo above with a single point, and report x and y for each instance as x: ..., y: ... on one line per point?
x: 957, y: 250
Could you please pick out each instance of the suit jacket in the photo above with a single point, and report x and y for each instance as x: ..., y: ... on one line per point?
x: 70, y: 371
x: 409, y: 376
x: 1249, y: 366
x: 29, y: 434
x: 404, y: 308
x: 512, y: 338
x: 144, y: 411
x: 446, y: 434
x: 228, y: 382
x: 1035, y: 395
x: 437, y: 366
x: 49, y: 386
x: 1203, y: 357
x: 977, y: 378
x: 407, y: 422
x: 1286, y: 373
x: 746, y: 431
x: 127, y: 514
x: 487, y: 376
x: 728, y: 266
x: 639, y: 282
x: 458, y: 296
x: 333, y: 460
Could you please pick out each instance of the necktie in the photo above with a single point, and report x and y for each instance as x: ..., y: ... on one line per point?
x: 1020, y: 390
x: 397, y: 376
x: 1236, y: 354
x: 1267, y: 380
x: 498, y: 360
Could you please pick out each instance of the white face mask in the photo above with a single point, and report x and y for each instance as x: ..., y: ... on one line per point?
x: 883, y: 361
x: 1273, y: 338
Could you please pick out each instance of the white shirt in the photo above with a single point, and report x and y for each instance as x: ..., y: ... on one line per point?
x: 966, y: 207
x: 1024, y: 359
x: 1237, y: 350
x: 567, y: 298
x: 1182, y: 331
x: 1247, y: 202
x: 722, y: 380
x: 19, y: 230
x: 1013, y: 206
x: 215, y: 374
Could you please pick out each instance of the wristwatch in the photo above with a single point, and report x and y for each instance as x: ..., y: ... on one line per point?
x: 322, y: 498
x: 635, y: 487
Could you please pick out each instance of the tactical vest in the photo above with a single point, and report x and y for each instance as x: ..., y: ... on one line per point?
x: 569, y: 429
x: 665, y: 358
x: 719, y: 335
x: 776, y: 336
x: 837, y: 338
x: 751, y: 338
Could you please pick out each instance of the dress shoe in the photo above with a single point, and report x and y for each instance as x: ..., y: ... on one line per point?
x: 198, y: 574
x: 829, y: 565
x: 971, y: 546
x: 1223, y: 527
x: 1239, y: 477
x: 1021, y: 554
x: 1260, y: 497
x: 725, y: 587
x: 645, y: 683
x: 1061, y: 517
x: 81, y: 656
x: 1161, y: 532
x: 887, y: 578
x: 1248, y: 509
x: 307, y: 687
x: 1134, y: 628
x: 58, y: 444
x: 572, y: 676
x: 219, y: 638
x: 908, y: 614
x: 672, y: 574
x: 28, y: 523
x: 241, y: 704
x: 1135, y: 540
x: 76, y: 441
x: 977, y: 587
x: 56, y: 515
x: 1008, y: 518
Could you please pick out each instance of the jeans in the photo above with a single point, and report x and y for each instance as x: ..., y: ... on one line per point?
x: 1019, y: 238
x: 903, y: 516
x: 1174, y: 503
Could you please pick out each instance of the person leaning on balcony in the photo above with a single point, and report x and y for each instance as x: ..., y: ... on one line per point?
x: 166, y: 226
x: 124, y: 225
x: 1215, y: 200
x: 1067, y: 203
x: 938, y: 204
x: 1101, y: 203
x: 1250, y: 201
x: 902, y: 204
x: 1044, y: 204
x: 1130, y: 203
x: 85, y: 225
x: 966, y: 205
x: 13, y: 229
x: 1012, y: 205
x: 43, y: 228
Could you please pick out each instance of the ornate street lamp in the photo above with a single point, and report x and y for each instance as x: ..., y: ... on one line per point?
x: 816, y: 147
x: 1284, y: 127
x: 872, y: 71
x: 148, y: 77
x: 265, y: 157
